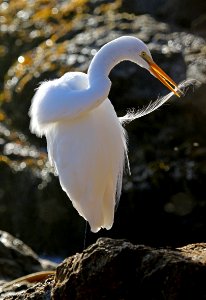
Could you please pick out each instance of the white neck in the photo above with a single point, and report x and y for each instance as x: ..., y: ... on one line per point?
x: 108, y: 56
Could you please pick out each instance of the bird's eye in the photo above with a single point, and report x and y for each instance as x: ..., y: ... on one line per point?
x: 143, y: 53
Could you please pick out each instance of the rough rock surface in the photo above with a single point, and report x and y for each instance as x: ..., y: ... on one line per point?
x: 39, y: 291
x: 17, y: 260
x: 117, y: 269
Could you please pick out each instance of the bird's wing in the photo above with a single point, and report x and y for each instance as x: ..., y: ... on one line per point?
x: 65, y: 98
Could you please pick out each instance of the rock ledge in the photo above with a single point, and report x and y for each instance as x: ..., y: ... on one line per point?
x: 117, y: 269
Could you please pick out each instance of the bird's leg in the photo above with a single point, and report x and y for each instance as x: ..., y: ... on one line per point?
x: 85, y: 234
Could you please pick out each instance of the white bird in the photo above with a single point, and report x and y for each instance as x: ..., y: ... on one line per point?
x: 86, y: 142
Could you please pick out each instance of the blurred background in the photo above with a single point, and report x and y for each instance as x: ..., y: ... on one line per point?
x: 164, y: 200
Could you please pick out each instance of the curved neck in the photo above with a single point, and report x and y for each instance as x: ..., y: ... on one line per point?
x: 107, y: 57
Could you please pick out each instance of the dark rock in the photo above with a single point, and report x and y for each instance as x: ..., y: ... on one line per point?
x: 39, y: 291
x: 143, y: 7
x: 17, y: 259
x: 185, y: 13
x: 199, y: 24
x: 117, y: 269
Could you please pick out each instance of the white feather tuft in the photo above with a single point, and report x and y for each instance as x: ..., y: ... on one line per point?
x: 132, y: 114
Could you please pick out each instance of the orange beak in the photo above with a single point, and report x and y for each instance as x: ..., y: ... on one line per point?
x: 161, y: 75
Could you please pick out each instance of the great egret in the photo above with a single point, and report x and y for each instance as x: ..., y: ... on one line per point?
x: 85, y: 139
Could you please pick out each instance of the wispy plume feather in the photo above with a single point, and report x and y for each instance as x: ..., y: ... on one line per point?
x: 133, y: 114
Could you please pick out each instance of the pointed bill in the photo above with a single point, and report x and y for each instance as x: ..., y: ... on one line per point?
x: 161, y: 75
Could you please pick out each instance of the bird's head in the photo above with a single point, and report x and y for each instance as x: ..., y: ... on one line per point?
x: 145, y: 60
x: 132, y: 49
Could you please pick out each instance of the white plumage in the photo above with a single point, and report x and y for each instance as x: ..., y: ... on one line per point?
x: 85, y: 139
